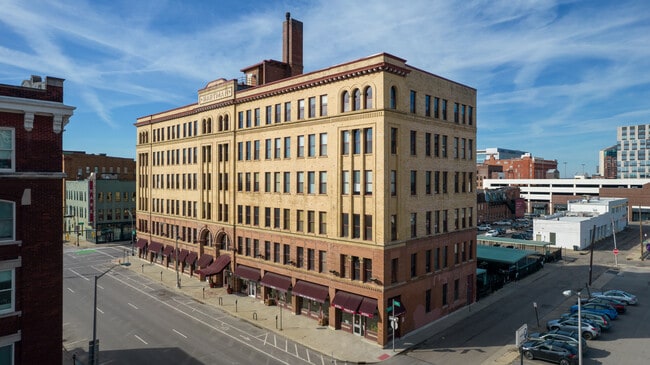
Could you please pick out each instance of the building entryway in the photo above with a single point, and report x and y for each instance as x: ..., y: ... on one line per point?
x: 358, y: 324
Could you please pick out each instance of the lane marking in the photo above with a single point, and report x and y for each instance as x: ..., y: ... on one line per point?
x: 132, y: 305
x: 179, y: 333
x: 245, y: 337
x: 143, y: 341
x: 71, y: 291
x: 100, y: 287
x: 79, y: 275
x: 100, y: 311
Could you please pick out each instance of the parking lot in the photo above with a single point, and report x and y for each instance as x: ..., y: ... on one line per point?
x: 626, y: 342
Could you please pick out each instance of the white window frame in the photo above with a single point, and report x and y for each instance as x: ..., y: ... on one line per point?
x: 13, y: 222
x: 13, y: 150
x: 11, y: 340
x: 12, y: 307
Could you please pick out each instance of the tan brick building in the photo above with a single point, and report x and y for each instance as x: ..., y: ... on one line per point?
x: 330, y: 193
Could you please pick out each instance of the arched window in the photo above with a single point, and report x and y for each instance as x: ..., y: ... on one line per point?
x: 356, y: 105
x: 368, y: 97
x: 225, y: 123
x: 393, y: 97
x: 209, y: 125
x: 220, y: 125
x: 345, y: 101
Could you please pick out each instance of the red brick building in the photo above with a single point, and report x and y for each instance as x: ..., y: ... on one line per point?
x: 32, y: 118
x: 526, y: 167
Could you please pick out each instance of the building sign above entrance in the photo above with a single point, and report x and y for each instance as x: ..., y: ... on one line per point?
x: 216, y: 95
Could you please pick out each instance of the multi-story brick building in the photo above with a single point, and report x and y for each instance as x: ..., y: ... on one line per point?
x: 607, y: 162
x: 99, y: 196
x: 331, y: 193
x: 526, y: 167
x: 32, y: 118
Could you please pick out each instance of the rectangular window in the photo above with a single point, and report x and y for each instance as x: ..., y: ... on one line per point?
x: 7, y: 221
x: 393, y: 227
x: 277, y: 177
x: 356, y: 268
x: 356, y: 141
x: 345, y: 224
x: 300, y: 257
x: 269, y: 114
x: 310, y: 259
x: 311, y: 221
x: 287, y: 147
x: 248, y: 118
x: 323, y: 105
x: 367, y: 227
x: 414, y: 178
x: 414, y: 224
x: 300, y: 182
x: 286, y: 221
x: 256, y: 117
x: 7, y: 291
x: 427, y: 105
x: 427, y: 301
x: 444, y: 294
x: 287, y: 111
x: 368, y: 182
x: 457, y: 289
x: 311, y: 145
x: 427, y: 222
x: 445, y: 256
x: 456, y: 111
x: 322, y: 261
x: 427, y: 261
x: 301, y: 109
x: 322, y: 182
x: 444, y: 109
x: 470, y: 115
x: 278, y: 113
x: 345, y: 182
x: 393, y: 182
x: 367, y: 140
x: 322, y: 222
x: 287, y: 182
x: 323, y: 144
x: 436, y: 107
x: 394, y: 268
x: 413, y: 143
x: 413, y: 100
x: 414, y: 265
x: 356, y: 226
x: 356, y: 182
x: 436, y: 259
x: 276, y: 252
x: 300, y: 220
x: 393, y: 140
x: 427, y: 182
x: 278, y: 148
x: 311, y: 182
x: 268, y: 146
x: 312, y: 107
x: 301, y: 146
x: 276, y: 218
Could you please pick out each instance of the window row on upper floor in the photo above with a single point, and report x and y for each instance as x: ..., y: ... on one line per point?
x: 435, y: 107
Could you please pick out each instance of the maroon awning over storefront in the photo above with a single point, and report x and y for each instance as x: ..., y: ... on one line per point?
x: 248, y: 272
x: 347, y: 302
x: 141, y: 243
x: 278, y: 282
x: 204, y: 261
x: 311, y: 291
x: 368, y: 307
x: 182, y: 255
x: 191, y: 258
x: 216, y: 267
x: 155, y: 246
x: 168, y: 250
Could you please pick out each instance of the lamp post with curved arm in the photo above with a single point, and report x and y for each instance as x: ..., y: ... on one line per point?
x: 568, y: 293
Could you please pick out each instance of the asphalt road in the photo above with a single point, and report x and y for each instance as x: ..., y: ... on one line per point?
x: 140, y: 321
x: 478, y: 337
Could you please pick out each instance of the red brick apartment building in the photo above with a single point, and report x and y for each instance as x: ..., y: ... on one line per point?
x: 332, y: 193
x: 526, y: 167
x: 32, y: 118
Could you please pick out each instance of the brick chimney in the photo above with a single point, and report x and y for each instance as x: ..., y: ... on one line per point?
x: 292, y: 44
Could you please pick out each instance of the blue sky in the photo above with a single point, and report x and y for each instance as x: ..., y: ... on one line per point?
x: 554, y: 78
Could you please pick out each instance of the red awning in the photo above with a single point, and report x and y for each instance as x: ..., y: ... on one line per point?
x: 216, y: 267
x: 204, y: 261
x: 182, y: 255
x: 311, y: 291
x: 247, y: 272
x: 168, y: 250
x: 191, y: 258
x: 368, y: 307
x: 278, y: 282
x: 155, y: 246
x: 141, y: 243
x: 347, y: 302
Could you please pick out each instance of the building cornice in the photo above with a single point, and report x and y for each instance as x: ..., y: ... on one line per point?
x: 60, y: 113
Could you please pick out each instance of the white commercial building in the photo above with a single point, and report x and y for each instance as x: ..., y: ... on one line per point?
x: 573, y: 229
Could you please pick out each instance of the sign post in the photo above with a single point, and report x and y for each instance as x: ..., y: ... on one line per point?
x: 393, y: 318
x: 520, y: 337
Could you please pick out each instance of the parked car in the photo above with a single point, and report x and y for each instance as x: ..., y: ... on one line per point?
x: 492, y: 233
x: 484, y: 227
x: 596, y: 318
x: 588, y: 330
x: 619, y: 306
x: 503, y: 223
x: 605, y: 309
x: 619, y: 295
x: 558, y: 335
x: 555, y: 351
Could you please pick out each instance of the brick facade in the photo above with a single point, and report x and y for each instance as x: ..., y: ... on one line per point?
x: 33, y: 187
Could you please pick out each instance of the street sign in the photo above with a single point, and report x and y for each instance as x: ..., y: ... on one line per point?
x: 521, y: 335
x: 394, y: 325
x: 615, y: 251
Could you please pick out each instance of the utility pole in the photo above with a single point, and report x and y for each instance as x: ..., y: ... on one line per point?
x: 641, y: 232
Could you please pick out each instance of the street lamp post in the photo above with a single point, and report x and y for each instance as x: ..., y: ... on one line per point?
x: 93, y: 350
x: 568, y: 293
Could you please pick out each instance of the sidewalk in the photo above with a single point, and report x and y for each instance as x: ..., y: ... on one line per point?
x: 340, y: 346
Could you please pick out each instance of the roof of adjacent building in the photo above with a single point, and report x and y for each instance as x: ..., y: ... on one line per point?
x: 501, y: 254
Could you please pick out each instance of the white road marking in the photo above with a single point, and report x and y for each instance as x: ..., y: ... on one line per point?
x: 134, y: 307
x: 72, y: 291
x: 79, y: 275
x: 102, y: 288
x: 248, y: 338
x: 102, y: 312
x: 143, y: 341
x: 179, y: 333
x: 82, y: 340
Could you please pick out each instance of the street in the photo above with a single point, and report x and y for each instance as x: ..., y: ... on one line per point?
x: 140, y: 321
